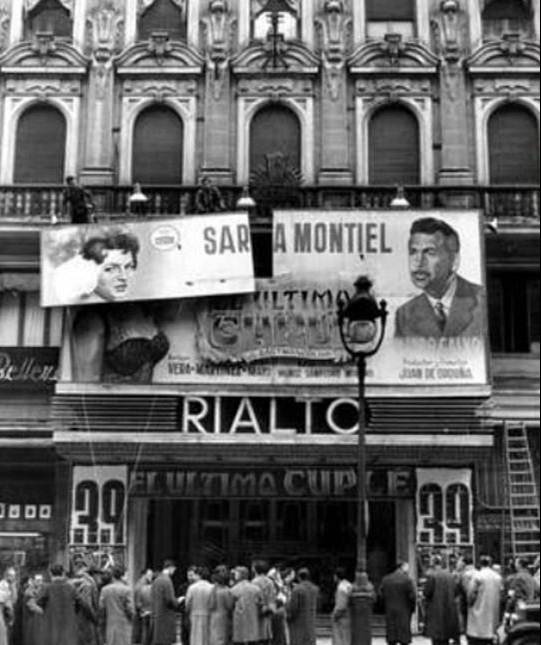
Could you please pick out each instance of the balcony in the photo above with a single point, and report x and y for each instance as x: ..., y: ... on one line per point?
x: 516, y: 205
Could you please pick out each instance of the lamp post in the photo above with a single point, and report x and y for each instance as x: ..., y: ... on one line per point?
x: 245, y: 202
x: 361, y: 322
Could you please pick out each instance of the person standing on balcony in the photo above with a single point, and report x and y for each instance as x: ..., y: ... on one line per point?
x: 208, y: 198
x: 77, y: 202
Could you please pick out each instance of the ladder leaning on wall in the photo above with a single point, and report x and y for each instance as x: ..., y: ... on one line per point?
x: 523, y: 497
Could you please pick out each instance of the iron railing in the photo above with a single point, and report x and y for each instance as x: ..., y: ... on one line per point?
x: 519, y: 203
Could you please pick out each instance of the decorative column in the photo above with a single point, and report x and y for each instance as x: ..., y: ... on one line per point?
x: 217, y: 25
x: 448, y: 25
x: 99, y: 156
x: 16, y: 24
x: 333, y: 25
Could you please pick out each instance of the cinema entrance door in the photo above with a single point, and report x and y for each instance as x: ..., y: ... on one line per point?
x: 298, y: 516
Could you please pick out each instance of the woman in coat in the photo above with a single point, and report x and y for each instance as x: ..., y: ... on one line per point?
x: 117, y: 609
x: 221, y: 607
x: 341, y: 615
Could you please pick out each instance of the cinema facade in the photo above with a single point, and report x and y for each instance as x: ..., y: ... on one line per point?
x: 241, y: 440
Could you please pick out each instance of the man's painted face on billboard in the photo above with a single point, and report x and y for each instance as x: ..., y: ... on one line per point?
x: 115, y: 275
x: 432, y: 262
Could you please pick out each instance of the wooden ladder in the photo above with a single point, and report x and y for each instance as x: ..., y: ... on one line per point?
x: 523, y: 497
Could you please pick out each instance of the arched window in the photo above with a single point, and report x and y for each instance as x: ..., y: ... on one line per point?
x: 49, y: 16
x: 40, y: 146
x: 513, y: 145
x: 163, y: 15
x: 158, y: 146
x: 506, y: 16
x: 394, y: 147
x: 275, y: 145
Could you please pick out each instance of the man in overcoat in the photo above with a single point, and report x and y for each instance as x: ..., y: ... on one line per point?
x: 247, y: 611
x: 164, y: 606
x: 86, y: 593
x: 117, y: 610
x: 260, y: 568
x: 59, y: 601
x: 440, y: 591
x: 484, y: 599
x: 302, y: 609
x: 398, y: 595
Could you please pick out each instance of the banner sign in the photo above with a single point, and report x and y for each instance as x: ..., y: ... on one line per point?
x: 444, y: 506
x: 28, y: 365
x: 285, y: 483
x: 150, y: 260
x: 428, y: 266
x: 98, y: 508
x: 286, y: 332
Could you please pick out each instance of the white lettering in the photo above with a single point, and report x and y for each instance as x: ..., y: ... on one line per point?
x: 330, y: 416
x: 245, y: 406
x: 189, y: 417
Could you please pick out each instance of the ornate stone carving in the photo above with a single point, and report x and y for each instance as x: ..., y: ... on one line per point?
x: 393, y: 47
x: 218, y: 29
x: 41, y: 88
x: 334, y: 27
x: 393, y: 88
x: 43, y: 45
x: 448, y: 26
x: 159, y: 91
x: 512, y: 45
x: 104, y: 23
x: 4, y: 27
x: 159, y: 45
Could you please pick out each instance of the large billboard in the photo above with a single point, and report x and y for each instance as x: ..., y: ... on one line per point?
x: 146, y: 260
x: 286, y: 332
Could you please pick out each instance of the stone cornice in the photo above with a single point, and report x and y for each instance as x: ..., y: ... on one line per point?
x: 44, y: 55
x: 159, y: 56
x: 511, y: 54
x: 392, y: 54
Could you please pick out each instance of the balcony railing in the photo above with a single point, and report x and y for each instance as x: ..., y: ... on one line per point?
x: 32, y: 203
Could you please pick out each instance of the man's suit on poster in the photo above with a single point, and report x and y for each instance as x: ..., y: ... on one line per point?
x: 417, y: 318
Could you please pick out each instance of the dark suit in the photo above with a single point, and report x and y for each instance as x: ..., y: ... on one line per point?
x: 163, y: 604
x: 301, y: 614
x: 417, y: 318
x: 398, y: 595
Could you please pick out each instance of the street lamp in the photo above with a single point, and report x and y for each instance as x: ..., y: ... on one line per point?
x: 245, y: 202
x: 361, y: 322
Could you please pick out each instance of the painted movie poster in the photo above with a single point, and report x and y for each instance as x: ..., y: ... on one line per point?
x: 150, y: 260
x: 427, y: 265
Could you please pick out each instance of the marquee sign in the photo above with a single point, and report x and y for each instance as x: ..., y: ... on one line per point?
x: 444, y: 506
x: 298, y: 483
x: 98, y: 511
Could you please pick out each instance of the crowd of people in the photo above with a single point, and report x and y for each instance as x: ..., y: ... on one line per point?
x: 257, y: 606
x: 260, y: 606
x: 477, y: 601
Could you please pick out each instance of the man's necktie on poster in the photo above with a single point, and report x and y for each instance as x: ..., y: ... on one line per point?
x: 440, y: 315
